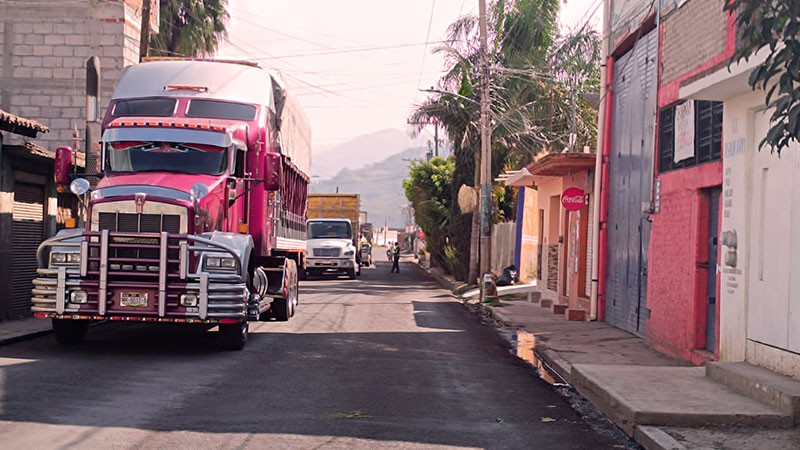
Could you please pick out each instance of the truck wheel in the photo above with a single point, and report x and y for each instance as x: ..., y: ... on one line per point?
x: 294, y: 287
x: 70, y: 332
x: 351, y: 273
x: 280, y: 309
x: 233, y: 336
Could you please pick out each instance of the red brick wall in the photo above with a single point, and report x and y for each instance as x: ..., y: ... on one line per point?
x: 678, y: 247
x: 694, y: 40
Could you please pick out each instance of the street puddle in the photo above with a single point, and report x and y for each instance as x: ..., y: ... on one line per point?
x: 525, y: 345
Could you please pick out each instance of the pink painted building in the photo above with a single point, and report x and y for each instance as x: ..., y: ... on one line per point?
x: 662, y: 174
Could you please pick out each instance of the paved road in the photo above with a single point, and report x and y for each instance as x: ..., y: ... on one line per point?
x: 385, y: 361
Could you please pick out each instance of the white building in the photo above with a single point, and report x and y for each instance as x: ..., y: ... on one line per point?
x: 760, y: 253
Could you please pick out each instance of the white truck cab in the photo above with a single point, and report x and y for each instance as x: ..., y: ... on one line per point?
x: 330, y: 247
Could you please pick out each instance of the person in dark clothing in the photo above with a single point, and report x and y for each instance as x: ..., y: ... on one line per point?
x: 396, y: 257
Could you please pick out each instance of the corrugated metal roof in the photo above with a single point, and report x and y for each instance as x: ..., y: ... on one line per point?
x: 19, y: 125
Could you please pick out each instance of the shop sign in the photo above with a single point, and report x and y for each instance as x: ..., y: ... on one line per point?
x: 573, y: 199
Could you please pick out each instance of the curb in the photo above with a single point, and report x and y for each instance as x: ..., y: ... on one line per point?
x: 654, y: 438
x: 436, y: 275
x: 550, y: 358
x: 25, y: 337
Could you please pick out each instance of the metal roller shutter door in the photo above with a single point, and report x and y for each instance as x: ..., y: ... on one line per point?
x: 28, y: 228
x: 630, y: 181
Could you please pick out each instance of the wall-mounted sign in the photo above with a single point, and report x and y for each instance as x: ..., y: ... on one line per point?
x: 573, y: 199
x: 684, y: 131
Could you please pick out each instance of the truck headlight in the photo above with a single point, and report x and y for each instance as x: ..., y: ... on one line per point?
x: 220, y: 263
x: 65, y: 258
x: 349, y: 253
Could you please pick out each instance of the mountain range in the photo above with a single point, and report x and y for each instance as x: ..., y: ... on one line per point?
x: 380, y: 185
x: 362, y: 151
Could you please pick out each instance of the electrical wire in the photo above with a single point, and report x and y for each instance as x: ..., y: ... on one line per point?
x: 427, y: 40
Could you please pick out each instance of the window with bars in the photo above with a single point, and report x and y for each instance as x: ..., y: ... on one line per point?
x: 707, y: 136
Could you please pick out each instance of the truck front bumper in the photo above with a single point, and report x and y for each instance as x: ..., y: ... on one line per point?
x: 330, y: 264
x: 107, y: 280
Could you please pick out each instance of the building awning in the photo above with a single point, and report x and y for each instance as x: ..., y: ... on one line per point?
x: 561, y: 164
x: 19, y: 125
x: 37, y: 153
x: 519, y: 178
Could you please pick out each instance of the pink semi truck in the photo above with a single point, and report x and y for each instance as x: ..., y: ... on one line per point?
x: 199, y: 214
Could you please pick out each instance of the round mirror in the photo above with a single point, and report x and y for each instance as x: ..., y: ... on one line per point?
x: 199, y: 191
x: 79, y: 186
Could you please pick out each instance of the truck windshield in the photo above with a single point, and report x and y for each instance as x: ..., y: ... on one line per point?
x: 329, y: 229
x: 165, y: 157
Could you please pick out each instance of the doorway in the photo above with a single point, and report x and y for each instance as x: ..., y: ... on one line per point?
x: 711, y: 287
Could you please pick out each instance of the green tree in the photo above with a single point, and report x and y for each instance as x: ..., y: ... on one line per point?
x: 189, y: 27
x: 530, y: 98
x: 773, y: 26
x: 428, y: 190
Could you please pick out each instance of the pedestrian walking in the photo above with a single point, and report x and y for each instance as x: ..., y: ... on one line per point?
x: 396, y: 258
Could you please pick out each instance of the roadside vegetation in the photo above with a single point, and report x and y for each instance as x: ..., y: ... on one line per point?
x: 542, y: 83
x: 189, y: 27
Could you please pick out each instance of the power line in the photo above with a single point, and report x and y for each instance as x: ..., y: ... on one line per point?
x: 427, y: 39
x: 350, y: 50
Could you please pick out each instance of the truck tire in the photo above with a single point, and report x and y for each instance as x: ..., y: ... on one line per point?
x: 283, y: 308
x: 233, y: 336
x: 351, y: 273
x: 70, y: 332
x: 280, y: 309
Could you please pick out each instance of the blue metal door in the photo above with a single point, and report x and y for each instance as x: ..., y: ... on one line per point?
x: 630, y: 184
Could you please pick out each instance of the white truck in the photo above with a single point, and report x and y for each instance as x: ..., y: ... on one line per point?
x: 330, y: 248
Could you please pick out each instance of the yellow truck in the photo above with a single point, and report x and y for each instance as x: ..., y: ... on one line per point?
x: 333, y: 234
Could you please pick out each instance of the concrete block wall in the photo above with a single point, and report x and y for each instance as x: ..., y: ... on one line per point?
x: 44, y: 47
x: 692, y: 35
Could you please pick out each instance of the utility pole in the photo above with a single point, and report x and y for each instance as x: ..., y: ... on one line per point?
x: 144, y: 40
x: 436, y: 139
x: 486, y: 150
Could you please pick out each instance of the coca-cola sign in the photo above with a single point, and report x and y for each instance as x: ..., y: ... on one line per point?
x: 573, y: 199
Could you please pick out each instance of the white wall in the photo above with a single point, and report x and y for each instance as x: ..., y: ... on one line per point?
x: 740, y: 147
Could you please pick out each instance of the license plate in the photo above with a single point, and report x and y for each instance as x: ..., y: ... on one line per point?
x: 133, y: 299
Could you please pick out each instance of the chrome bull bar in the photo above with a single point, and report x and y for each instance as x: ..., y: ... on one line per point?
x: 221, y: 295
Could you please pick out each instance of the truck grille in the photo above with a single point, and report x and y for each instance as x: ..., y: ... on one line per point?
x: 327, y: 252
x: 138, y: 223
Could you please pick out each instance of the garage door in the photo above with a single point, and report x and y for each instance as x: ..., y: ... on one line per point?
x: 28, y: 217
x: 773, y: 305
x: 630, y: 181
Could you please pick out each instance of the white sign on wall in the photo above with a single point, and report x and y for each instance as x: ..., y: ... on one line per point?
x: 684, y: 131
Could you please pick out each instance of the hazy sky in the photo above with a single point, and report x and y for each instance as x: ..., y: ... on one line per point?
x: 356, y: 65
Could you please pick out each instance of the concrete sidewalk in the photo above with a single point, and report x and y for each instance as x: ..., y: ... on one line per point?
x: 21, y: 329
x: 661, y: 402
x: 650, y: 396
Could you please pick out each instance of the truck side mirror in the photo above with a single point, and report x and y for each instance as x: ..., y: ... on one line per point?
x: 63, y: 166
x: 272, y: 171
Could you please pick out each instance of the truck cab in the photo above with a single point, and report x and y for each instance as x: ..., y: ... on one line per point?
x: 330, y: 248
x: 198, y: 210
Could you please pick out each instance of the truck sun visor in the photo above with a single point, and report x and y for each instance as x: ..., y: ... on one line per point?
x: 168, y: 135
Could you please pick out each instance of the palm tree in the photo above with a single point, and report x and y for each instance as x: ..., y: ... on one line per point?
x: 530, y: 102
x: 189, y: 27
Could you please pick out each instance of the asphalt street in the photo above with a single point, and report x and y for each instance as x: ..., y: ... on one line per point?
x: 384, y: 361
